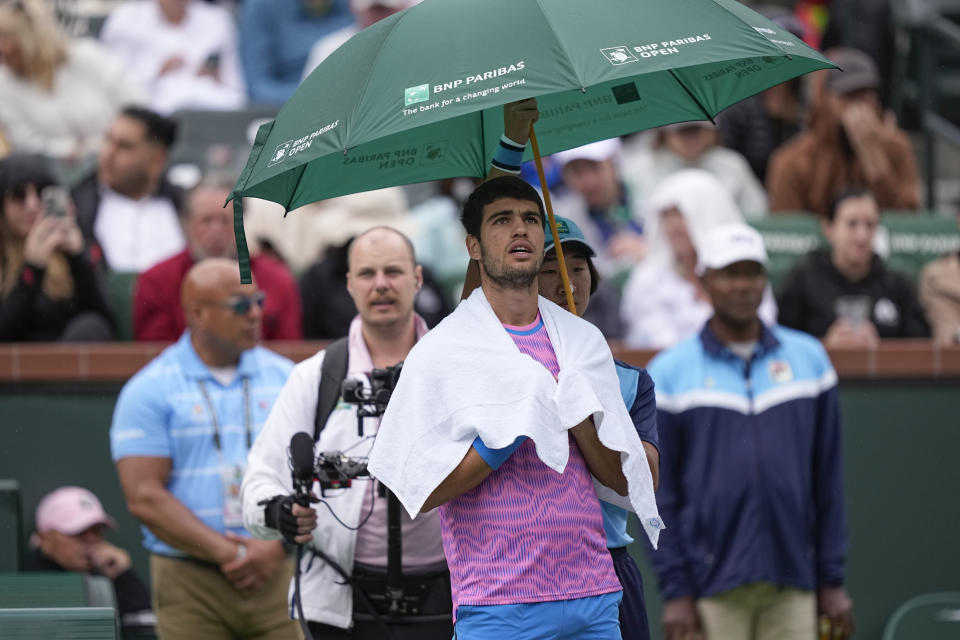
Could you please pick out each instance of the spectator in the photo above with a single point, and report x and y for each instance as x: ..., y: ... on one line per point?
x: 940, y: 296
x: 365, y: 13
x: 755, y: 127
x: 605, y: 207
x: 157, y: 314
x: 694, y: 145
x: 850, y: 142
x: 127, y: 210
x: 845, y: 293
x: 70, y: 527
x: 58, y: 95
x: 184, y: 52
x: 275, y: 40
x: 48, y: 288
x: 751, y: 468
x: 180, y: 434
x: 664, y: 301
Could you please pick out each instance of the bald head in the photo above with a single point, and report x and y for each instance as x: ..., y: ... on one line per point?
x: 380, y: 237
x: 208, y: 279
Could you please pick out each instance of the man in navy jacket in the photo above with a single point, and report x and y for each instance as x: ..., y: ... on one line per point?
x: 751, y: 483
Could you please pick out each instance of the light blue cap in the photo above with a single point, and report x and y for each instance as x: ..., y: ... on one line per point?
x: 569, y: 233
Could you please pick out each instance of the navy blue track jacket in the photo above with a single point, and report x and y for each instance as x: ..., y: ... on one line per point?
x: 751, y: 483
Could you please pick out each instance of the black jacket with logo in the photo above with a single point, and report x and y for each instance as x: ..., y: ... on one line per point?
x: 807, y: 298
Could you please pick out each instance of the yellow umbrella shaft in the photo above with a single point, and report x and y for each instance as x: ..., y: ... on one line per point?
x: 561, y: 263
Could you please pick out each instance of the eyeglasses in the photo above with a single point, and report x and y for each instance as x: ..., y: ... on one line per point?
x: 239, y: 304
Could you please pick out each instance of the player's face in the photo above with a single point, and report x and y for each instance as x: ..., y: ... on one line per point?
x: 510, y: 246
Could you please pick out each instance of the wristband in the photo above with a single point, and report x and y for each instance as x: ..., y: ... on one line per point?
x: 509, y: 156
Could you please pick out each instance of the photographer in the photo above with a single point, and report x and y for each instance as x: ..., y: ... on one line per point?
x: 351, y: 528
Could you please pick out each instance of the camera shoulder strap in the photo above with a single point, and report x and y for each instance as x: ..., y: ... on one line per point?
x: 332, y: 373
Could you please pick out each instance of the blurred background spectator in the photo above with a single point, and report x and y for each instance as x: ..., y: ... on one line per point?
x: 940, y: 296
x: 851, y: 141
x: 275, y: 39
x: 866, y: 25
x: 756, y: 126
x: 693, y: 145
x: 663, y: 300
x: 845, y: 294
x: 365, y: 13
x: 58, y: 95
x: 49, y: 290
x: 183, y: 51
x: 603, y: 204
x: 127, y: 209
x: 70, y: 536
x: 157, y: 312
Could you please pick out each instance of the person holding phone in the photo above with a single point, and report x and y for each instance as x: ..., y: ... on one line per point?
x: 49, y: 290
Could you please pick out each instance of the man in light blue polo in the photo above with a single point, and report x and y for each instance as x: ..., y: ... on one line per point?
x: 181, y: 431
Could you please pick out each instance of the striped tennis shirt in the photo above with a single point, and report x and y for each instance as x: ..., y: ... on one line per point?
x: 526, y: 533
x: 163, y: 411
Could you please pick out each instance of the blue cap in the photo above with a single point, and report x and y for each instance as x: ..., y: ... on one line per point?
x: 569, y: 233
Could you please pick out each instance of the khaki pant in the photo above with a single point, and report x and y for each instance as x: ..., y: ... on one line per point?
x: 193, y: 600
x: 759, y: 611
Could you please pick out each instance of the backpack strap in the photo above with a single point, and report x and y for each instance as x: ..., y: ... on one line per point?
x: 332, y: 373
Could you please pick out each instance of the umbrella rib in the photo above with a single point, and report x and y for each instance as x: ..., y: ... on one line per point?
x: 559, y: 41
x: 692, y: 96
x: 366, y: 83
x: 765, y: 38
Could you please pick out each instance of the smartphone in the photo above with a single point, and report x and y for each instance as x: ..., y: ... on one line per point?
x: 55, y: 201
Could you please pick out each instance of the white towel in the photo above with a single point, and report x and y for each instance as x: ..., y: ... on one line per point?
x: 467, y: 378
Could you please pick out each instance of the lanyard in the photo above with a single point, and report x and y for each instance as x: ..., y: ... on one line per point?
x: 213, y: 414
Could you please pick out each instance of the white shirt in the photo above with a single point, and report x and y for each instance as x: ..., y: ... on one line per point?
x: 72, y: 118
x: 137, y: 234
x: 140, y: 34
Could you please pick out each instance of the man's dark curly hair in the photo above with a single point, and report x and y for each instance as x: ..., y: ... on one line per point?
x: 492, y: 190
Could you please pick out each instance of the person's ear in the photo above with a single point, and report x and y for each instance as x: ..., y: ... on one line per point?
x: 349, y: 284
x: 418, y: 274
x: 473, y: 247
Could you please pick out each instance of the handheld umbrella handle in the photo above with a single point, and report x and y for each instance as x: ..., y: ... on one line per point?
x: 553, y: 222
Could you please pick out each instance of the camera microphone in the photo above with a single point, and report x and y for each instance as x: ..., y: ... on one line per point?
x: 302, y: 462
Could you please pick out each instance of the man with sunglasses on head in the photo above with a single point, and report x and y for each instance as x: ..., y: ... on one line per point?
x: 181, y: 430
x: 157, y: 314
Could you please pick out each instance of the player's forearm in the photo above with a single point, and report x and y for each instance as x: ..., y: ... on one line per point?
x: 604, y: 463
x: 653, y: 461
x: 172, y: 522
x: 471, y: 471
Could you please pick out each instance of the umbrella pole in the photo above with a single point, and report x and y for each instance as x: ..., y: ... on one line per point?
x: 561, y: 263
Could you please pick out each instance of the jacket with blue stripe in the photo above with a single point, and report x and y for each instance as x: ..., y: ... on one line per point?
x: 751, y: 483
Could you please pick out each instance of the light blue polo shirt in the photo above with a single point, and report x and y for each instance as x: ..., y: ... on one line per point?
x: 162, y: 412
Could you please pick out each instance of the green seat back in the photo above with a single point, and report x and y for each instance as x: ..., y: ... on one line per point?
x: 931, y: 616
x: 64, y: 623
x: 120, y: 292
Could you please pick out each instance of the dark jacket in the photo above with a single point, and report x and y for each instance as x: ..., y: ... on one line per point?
x: 28, y: 315
x: 751, y: 481
x: 86, y: 198
x: 807, y: 298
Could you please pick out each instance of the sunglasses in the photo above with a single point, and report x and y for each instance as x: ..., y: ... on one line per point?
x: 241, y: 305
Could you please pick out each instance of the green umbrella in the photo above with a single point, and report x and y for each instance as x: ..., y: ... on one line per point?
x: 418, y: 96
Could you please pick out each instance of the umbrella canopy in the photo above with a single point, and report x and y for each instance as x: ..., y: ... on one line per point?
x: 418, y: 96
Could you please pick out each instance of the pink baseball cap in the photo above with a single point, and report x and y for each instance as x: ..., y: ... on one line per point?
x: 71, y: 510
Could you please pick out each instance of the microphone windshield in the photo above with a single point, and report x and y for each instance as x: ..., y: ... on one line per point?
x: 301, y: 455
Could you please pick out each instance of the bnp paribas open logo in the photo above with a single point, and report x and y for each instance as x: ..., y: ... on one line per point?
x: 279, y: 153
x: 618, y: 55
x: 413, y: 95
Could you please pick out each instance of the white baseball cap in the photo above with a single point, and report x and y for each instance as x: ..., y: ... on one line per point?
x: 728, y: 244
x: 595, y: 151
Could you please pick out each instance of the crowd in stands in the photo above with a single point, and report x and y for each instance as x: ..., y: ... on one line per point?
x: 103, y: 112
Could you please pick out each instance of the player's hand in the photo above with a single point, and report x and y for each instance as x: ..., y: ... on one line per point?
x: 835, y: 604
x: 517, y: 118
x: 251, y: 570
x: 680, y: 620
x: 109, y: 560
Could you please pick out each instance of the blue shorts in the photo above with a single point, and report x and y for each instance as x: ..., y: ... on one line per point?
x: 593, y: 618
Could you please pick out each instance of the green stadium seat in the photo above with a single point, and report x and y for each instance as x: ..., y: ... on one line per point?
x: 931, y: 616
x: 57, y: 605
x: 11, y: 542
x: 120, y: 293
x: 67, y: 623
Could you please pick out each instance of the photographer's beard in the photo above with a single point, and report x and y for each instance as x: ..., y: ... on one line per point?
x: 519, y: 277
